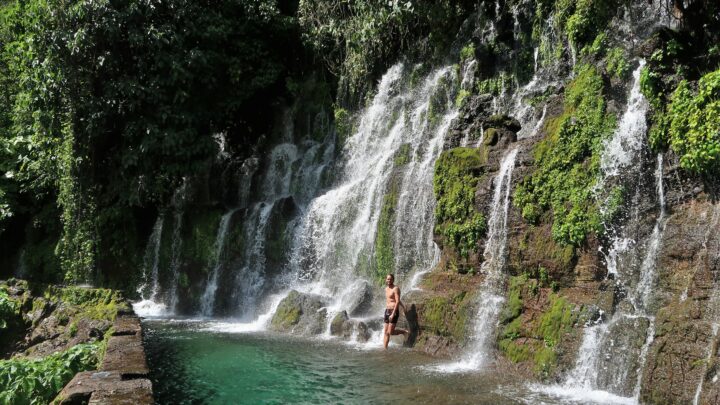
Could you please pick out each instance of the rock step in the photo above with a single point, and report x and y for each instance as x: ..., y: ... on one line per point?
x: 126, y: 355
x: 122, y: 375
x: 127, y: 325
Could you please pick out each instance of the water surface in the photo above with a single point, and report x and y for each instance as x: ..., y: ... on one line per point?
x: 191, y: 364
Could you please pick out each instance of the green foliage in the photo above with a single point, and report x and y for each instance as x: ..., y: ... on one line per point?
x: 25, y: 381
x: 514, y: 305
x: 106, y: 106
x: 8, y: 309
x: 494, y: 85
x: 568, y: 162
x: 358, y: 39
x: 694, y: 124
x: 403, y: 155
x: 343, y: 125
x: 455, y: 180
x: 467, y: 52
x: 613, y: 204
x: 581, y: 20
x: 461, y: 98
x: 616, y: 63
x: 556, y: 321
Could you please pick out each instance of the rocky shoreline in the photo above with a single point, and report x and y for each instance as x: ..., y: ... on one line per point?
x: 87, y: 340
x: 122, y: 377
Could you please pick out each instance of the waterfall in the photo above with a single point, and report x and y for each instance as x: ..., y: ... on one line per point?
x: 491, y: 292
x: 151, y: 262
x: 207, y: 302
x: 175, y: 260
x: 610, y: 361
x: 390, y: 156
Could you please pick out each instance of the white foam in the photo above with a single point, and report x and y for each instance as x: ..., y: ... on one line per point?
x: 150, y: 309
x: 259, y: 324
x: 583, y: 395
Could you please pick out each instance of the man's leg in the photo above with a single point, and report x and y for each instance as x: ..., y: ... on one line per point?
x: 386, y: 335
x: 397, y: 331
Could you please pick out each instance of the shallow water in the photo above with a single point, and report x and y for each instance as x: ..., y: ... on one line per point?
x: 191, y: 365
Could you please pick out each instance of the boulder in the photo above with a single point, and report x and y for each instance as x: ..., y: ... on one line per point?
x: 363, y: 333
x: 360, y: 299
x: 300, y: 314
x: 40, y: 309
x: 48, y: 329
x: 86, y: 330
x: 338, y: 323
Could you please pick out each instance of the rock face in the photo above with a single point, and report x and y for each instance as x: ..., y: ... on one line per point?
x: 299, y: 313
x: 684, y: 353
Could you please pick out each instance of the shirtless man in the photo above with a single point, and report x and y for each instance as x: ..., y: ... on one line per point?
x: 392, y: 310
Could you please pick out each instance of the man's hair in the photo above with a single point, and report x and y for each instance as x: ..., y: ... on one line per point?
x: 391, y: 276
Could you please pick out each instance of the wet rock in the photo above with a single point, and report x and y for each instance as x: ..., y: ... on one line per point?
x: 412, y: 325
x: 40, y: 309
x: 676, y: 362
x: 363, y: 333
x: 503, y: 121
x: 133, y: 392
x: 301, y: 314
x: 276, y: 249
x: 616, y: 373
x: 439, y: 346
x: 336, y: 326
x: 361, y: 299
x: 86, y: 330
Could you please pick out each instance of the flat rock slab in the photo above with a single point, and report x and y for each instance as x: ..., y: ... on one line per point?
x: 79, y: 389
x: 125, y: 354
x: 129, y: 392
x: 127, y: 325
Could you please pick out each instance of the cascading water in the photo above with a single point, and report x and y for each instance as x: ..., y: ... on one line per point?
x: 609, y: 364
x: 491, y: 292
x: 151, y: 262
x: 207, y: 301
x: 390, y: 156
x: 175, y: 260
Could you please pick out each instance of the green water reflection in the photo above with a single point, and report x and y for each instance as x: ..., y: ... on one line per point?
x: 190, y: 366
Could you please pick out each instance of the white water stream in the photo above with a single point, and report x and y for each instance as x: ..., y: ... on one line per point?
x: 479, y: 351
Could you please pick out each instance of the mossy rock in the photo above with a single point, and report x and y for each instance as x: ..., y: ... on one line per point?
x: 503, y: 121
x: 446, y: 316
x: 539, y: 336
x: 288, y: 312
x: 459, y: 224
x: 300, y: 314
